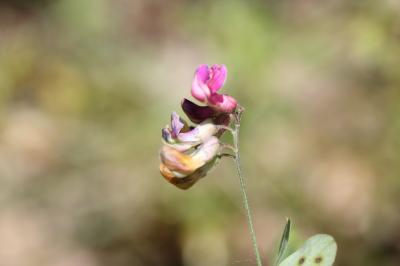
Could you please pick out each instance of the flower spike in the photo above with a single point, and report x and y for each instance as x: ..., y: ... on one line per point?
x: 189, y: 152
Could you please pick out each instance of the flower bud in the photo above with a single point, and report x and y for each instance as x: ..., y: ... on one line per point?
x: 207, y: 81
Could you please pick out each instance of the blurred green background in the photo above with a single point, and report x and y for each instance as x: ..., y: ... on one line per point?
x: 86, y: 86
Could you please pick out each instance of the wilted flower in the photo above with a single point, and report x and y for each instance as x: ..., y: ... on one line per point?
x: 183, y: 170
x: 207, y: 81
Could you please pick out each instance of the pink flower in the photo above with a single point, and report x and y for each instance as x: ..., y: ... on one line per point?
x: 189, y: 152
x: 207, y: 81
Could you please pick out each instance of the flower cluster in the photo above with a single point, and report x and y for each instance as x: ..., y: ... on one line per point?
x: 189, y: 152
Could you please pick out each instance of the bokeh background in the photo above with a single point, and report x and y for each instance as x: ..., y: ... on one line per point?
x: 86, y: 86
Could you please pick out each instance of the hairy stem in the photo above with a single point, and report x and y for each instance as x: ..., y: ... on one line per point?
x: 238, y: 115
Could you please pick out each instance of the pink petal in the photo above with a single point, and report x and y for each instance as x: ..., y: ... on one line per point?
x: 202, y: 73
x: 199, y: 86
x: 222, y: 103
x: 197, y: 91
x: 218, y: 75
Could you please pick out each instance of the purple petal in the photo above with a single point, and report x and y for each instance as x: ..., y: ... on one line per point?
x: 222, y: 103
x: 196, y: 113
x: 218, y: 75
x: 176, y: 124
x: 166, y: 135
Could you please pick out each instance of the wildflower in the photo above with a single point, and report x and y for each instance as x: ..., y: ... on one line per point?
x: 189, y: 152
x: 207, y: 81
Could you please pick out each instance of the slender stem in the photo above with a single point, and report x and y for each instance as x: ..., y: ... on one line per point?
x: 238, y: 115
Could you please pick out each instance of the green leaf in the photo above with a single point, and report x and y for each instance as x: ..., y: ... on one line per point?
x: 284, y: 242
x: 319, y: 250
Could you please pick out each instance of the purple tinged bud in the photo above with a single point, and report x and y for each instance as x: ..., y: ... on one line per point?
x: 196, y: 113
x: 176, y: 124
x: 166, y: 135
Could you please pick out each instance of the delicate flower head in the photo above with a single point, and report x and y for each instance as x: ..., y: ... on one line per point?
x: 207, y: 81
x: 189, y: 152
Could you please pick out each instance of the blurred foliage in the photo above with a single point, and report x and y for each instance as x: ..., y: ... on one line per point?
x: 85, y: 87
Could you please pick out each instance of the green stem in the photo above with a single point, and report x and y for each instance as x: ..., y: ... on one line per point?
x: 238, y: 115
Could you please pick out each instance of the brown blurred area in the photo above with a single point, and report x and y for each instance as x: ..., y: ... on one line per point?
x: 86, y: 86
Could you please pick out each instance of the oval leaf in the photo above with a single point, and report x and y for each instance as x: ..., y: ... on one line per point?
x: 319, y: 250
